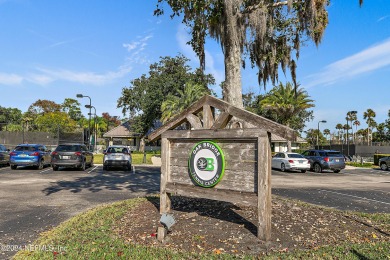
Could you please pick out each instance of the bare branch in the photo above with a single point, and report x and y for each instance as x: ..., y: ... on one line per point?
x: 251, y: 8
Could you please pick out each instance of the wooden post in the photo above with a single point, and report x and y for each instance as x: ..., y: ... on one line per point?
x: 165, y: 200
x: 264, y: 189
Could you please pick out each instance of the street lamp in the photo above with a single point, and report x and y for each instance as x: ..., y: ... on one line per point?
x: 318, y: 133
x: 89, y: 120
x: 94, y: 125
x: 351, y: 114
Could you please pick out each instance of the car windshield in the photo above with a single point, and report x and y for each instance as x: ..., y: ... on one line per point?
x: 117, y: 150
x: 334, y: 154
x: 25, y: 148
x: 68, y: 148
x: 294, y: 155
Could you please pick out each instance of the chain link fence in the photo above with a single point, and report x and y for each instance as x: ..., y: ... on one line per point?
x: 50, y: 140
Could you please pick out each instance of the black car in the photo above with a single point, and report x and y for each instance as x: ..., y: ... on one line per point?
x: 4, y: 155
x: 71, y: 156
x: 325, y: 160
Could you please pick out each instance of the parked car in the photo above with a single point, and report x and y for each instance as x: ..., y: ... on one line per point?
x: 290, y: 161
x: 325, y: 160
x: 4, y: 155
x: 384, y: 163
x: 117, y: 156
x: 30, y: 155
x: 71, y: 156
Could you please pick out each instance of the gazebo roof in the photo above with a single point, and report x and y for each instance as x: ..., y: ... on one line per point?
x: 122, y: 131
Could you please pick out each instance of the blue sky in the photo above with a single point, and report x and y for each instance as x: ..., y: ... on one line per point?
x: 56, y: 49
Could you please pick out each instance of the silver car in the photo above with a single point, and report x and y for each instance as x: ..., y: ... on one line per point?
x: 117, y: 156
x: 384, y: 163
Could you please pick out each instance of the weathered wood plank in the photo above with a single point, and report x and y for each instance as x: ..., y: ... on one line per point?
x: 221, y: 121
x: 246, y: 134
x: 165, y: 201
x: 208, y: 118
x: 194, y: 121
x: 249, y: 117
x: 238, y: 198
x: 232, y: 179
x: 223, y: 143
x: 230, y: 155
x: 179, y: 119
x: 264, y: 190
x: 233, y: 165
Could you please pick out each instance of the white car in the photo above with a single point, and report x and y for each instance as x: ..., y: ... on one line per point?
x: 290, y: 161
x: 117, y: 156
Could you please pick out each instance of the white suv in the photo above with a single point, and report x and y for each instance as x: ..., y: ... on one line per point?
x: 117, y: 156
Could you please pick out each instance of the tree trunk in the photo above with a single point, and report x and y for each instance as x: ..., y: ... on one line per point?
x: 232, y: 87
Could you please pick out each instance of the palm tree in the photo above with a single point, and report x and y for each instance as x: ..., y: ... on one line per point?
x: 360, y: 135
x: 286, y: 102
x: 369, y: 116
x: 356, y: 123
x: 326, y: 133
x: 346, y: 128
x: 339, y: 127
x: 174, y: 105
x: 351, y: 116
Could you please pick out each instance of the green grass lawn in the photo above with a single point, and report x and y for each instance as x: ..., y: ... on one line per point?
x: 137, y: 158
x: 91, y: 235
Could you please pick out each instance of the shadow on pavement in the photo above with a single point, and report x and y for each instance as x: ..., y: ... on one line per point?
x: 146, y: 179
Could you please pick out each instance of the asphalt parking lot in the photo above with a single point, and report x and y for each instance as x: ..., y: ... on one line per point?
x: 33, y: 201
x: 354, y: 189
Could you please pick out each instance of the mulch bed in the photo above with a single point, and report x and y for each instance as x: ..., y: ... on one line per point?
x: 220, y: 227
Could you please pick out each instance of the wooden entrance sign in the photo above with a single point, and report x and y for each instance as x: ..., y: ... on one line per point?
x: 246, y: 173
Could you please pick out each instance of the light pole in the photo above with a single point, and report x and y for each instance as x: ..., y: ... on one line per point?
x: 94, y: 125
x: 350, y: 114
x: 318, y: 133
x: 89, y: 120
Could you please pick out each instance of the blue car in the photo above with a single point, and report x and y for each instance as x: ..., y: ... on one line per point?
x: 29, y: 155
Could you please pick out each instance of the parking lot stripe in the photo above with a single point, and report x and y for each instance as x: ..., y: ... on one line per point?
x: 48, y: 169
x: 356, y: 197
x: 93, y: 169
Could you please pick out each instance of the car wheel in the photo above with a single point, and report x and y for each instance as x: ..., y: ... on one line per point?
x: 129, y: 167
x: 13, y: 167
x: 40, y: 165
x: 104, y: 168
x: 317, y: 168
x: 384, y: 166
x: 303, y: 171
x: 83, y: 166
x: 283, y: 167
x: 336, y: 171
x: 55, y: 168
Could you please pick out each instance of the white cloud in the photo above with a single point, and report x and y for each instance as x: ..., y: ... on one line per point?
x: 136, y: 48
x: 368, y: 60
x: 39, y: 79
x: 10, y: 79
x: 81, y: 77
x: 383, y: 18
x: 130, y: 46
x: 138, y: 45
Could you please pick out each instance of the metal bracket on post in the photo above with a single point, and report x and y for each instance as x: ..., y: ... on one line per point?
x: 167, y: 220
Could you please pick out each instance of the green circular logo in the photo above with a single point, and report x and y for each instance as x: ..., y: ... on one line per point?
x: 206, y: 164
